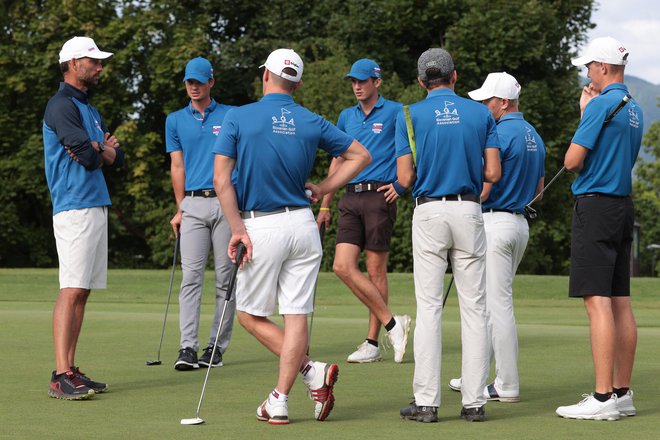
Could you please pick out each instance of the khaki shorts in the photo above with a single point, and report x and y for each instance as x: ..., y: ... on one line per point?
x: 286, y: 257
x: 81, y: 236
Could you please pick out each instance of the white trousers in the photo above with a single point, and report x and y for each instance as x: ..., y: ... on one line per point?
x: 455, y: 230
x: 507, y: 236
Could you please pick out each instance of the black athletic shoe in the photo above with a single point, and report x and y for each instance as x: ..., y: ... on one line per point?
x: 425, y: 414
x: 205, y: 360
x: 187, y: 360
x: 68, y: 386
x: 473, y: 414
x: 98, y: 387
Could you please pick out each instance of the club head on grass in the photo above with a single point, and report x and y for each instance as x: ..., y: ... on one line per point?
x: 150, y: 363
x: 193, y: 421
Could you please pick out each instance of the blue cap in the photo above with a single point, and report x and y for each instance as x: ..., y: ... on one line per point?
x: 363, y: 69
x: 200, y: 69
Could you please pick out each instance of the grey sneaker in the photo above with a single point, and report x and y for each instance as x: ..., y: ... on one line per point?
x: 424, y: 414
x: 473, y: 414
x: 187, y: 360
x: 205, y: 360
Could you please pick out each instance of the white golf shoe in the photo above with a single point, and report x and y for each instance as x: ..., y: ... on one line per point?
x: 321, y: 389
x: 625, y: 405
x: 365, y: 353
x: 502, y: 396
x: 455, y: 384
x: 275, y: 414
x: 398, y: 336
x: 590, y: 408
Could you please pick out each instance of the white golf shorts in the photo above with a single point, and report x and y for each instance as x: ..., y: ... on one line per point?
x: 286, y: 257
x: 81, y: 236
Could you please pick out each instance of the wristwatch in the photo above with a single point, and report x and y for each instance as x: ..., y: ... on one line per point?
x: 101, y: 147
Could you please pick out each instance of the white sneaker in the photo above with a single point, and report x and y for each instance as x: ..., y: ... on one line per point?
x: 490, y: 393
x: 321, y: 387
x: 625, y: 404
x: 275, y: 414
x: 591, y: 409
x: 455, y: 384
x: 398, y: 336
x: 365, y: 353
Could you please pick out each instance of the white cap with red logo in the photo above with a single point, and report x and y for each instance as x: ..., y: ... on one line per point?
x: 498, y: 85
x: 603, y: 50
x: 280, y: 59
x: 82, y: 47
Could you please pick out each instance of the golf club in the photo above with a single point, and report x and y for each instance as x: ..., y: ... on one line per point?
x: 240, y: 249
x: 531, y: 212
x: 167, y: 306
x: 311, y: 322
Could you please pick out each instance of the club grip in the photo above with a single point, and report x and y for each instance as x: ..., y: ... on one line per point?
x: 240, y: 251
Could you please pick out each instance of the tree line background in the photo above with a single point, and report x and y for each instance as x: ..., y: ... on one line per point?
x: 152, y: 41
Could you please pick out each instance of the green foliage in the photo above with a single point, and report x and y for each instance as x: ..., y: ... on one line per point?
x: 153, y: 39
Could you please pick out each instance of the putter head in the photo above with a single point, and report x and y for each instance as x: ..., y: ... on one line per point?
x: 150, y: 363
x: 530, y: 213
x: 193, y: 421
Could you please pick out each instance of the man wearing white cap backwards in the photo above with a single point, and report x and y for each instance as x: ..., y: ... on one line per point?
x: 271, y: 146
x: 603, y: 152
x: 522, y: 154
x: 77, y: 144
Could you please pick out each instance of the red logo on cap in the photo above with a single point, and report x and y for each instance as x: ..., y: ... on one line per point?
x: 287, y: 62
x: 622, y: 49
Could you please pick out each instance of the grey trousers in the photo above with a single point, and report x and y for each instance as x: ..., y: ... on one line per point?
x: 203, y: 226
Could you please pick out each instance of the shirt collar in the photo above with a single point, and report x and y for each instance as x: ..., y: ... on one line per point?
x: 277, y: 97
x: 379, y: 104
x: 440, y: 92
x: 511, y: 116
x: 614, y: 86
x: 74, y: 92
x: 212, y: 106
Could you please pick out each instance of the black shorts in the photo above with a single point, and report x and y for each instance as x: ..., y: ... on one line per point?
x: 601, y: 239
x: 366, y: 220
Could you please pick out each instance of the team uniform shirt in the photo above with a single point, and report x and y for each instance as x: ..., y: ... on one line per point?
x: 71, y: 122
x: 522, y: 155
x: 613, y: 146
x: 451, y: 133
x: 186, y: 130
x: 283, y: 138
x: 376, y: 132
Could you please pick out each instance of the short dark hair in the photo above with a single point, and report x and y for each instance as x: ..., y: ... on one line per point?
x: 64, y: 67
x: 434, y: 78
x: 283, y: 82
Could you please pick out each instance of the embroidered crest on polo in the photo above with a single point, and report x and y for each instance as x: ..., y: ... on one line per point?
x: 377, y: 127
x: 448, y: 115
x: 633, y: 119
x: 282, y: 125
x: 216, y: 129
x: 530, y: 140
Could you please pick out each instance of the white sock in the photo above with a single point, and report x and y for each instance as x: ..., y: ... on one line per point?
x: 308, y: 372
x: 277, y: 397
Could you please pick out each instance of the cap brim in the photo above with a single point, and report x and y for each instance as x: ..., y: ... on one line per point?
x: 200, y: 78
x: 581, y: 61
x: 100, y: 55
x: 480, y: 95
x: 358, y: 76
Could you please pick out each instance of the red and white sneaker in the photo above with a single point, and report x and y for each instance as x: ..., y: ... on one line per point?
x: 320, y: 389
x: 276, y: 414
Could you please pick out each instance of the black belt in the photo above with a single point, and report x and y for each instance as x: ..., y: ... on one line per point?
x: 502, y: 210
x: 610, y: 196
x: 255, y: 214
x: 364, y: 186
x: 206, y: 193
x: 450, y: 197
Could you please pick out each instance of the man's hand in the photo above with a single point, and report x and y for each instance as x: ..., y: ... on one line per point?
x: 235, y: 239
x: 390, y: 194
x: 323, y: 217
x: 589, y: 92
x: 176, y: 223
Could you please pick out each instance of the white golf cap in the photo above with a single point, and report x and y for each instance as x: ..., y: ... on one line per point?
x: 499, y: 85
x: 280, y: 59
x: 603, y: 50
x: 82, y: 47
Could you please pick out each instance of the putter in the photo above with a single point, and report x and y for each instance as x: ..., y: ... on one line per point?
x: 311, y: 321
x: 240, y: 250
x: 530, y: 212
x: 167, y: 306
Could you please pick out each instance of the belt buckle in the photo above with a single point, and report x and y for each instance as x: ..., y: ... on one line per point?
x: 359, y: 187
x: 207, y: 193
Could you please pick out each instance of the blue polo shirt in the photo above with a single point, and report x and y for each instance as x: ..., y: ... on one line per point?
x: 613, y: 146
x: 274, y: 142
x: 71, y: 121
x: 186, y: 130
x: 376, y: 132
x: 522, y: 155
x: 451, y: 133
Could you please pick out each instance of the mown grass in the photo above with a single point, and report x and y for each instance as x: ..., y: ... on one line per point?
x: 122, y: 329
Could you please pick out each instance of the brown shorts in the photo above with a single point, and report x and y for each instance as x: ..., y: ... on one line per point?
x: 366, y: 220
